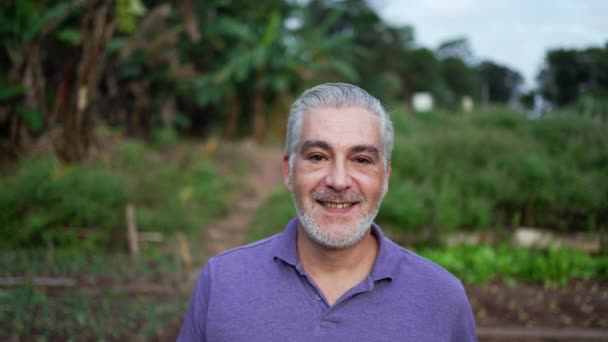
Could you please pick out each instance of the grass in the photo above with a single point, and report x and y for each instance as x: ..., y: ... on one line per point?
x: 97, y: 308
x: 33, y: 315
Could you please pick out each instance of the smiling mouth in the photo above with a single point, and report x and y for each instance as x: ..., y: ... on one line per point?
x: 336, y: 205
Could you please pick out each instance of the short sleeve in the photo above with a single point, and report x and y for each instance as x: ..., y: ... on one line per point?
x: 193, y: 328
x: 464, y: 324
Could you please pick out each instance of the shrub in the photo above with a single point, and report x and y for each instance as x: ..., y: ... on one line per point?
x: 48, y: 201
x: 404, y: 205
x: 83, y: 206
x: 497, y: 168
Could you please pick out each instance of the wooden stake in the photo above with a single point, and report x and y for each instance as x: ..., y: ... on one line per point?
x: 184, y: 251
x: 132, y: 230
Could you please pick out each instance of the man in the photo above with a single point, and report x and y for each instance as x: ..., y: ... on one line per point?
x: 331, y: 275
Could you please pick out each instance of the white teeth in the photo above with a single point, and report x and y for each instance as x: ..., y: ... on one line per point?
x: 338, y: 205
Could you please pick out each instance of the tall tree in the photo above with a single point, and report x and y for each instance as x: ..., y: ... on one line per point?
x: 456, y: 48
x: 569, y: 73
x: 498, y: 83
x: 459, y: 79
x: 55, y: 58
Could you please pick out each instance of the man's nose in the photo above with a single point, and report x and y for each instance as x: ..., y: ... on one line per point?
x: 338, y: 177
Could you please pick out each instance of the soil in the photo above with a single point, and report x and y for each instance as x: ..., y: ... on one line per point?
x: 533, y: 312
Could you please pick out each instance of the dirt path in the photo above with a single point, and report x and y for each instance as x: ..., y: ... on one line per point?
x: 264, y: 175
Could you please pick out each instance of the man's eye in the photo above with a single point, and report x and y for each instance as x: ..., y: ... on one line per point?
x: 316, y: 157
x: 363, y: 160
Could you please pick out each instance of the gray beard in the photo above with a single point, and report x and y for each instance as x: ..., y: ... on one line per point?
x: 318, y: 235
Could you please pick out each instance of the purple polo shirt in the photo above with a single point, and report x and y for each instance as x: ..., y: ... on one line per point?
x: 260, y: 292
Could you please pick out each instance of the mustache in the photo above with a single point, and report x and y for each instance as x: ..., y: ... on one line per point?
x: 329, y: 195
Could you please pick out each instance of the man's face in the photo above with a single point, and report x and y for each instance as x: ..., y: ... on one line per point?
x: 338, y: 177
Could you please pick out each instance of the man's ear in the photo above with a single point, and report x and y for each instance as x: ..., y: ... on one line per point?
x: 387, y: 176
x: 287, y: 173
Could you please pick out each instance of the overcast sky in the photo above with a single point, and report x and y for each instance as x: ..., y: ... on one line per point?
x: 516, y: 33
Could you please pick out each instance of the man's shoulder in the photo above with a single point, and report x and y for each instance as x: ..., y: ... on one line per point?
x: 249, y: 253
x: 414, y: 266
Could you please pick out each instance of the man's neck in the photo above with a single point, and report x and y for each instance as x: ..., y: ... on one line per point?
x: 330, y: 260
x: 336, y: 271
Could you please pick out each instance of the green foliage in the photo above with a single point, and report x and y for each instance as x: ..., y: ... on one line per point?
x: 30, y: 313
x: 459, y: 79
x: 8, y: 92
x: 553, y: 267
x: 485, y: 170
x: 498, y: 83
x: 569, y: 74
x: 406, y: 207
x: 90, y: 311
x: 48, y: 201
x: 272, y: 217
x: 181, y: 193
x: 127, y: 12
x: 82, y: 207
x: 164, y: 137
x: 113, y: 267
x: 33, y: 119
x: 26, y: 20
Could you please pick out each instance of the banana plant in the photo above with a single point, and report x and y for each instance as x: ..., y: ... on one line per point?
x: 25, y: 27
x: 271, y: 62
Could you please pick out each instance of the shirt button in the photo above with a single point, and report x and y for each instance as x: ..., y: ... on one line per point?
x: 318, y: 297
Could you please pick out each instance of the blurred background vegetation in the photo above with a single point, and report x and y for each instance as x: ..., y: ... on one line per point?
x: 105, y: 103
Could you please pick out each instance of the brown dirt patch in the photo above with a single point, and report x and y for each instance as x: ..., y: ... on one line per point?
x: 533, y: 312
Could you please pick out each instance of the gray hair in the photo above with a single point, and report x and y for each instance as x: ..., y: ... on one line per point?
x: 336, y: 95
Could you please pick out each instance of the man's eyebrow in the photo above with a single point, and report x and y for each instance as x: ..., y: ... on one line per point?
x: 308, y: 144
x: 365, y: 148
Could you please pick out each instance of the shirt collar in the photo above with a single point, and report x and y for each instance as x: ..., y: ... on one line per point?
x: 386, y: 262
x: 384, y: 267
x: 286, y: 249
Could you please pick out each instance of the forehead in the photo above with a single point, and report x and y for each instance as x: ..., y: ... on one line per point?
x: 346, y: 126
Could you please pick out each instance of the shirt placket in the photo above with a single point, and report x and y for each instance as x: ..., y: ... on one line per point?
x: 311, y: 288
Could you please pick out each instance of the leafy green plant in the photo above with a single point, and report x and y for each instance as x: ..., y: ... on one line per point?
x: 48, y: 201
x: 552, y: 267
